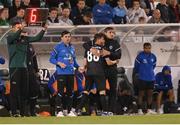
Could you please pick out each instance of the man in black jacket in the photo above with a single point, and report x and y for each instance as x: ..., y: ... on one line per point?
x: 113, y: 51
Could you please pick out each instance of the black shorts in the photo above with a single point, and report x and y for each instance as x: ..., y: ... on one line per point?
x: 145, y: 85
x: 65, y: 81
x: 99, y: 81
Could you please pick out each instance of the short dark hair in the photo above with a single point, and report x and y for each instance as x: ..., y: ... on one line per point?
x: 20, y: 8
x: 146, y: 45
x: 81, y: 0
x: 65, y: 7
x: 99, y: 36
x: 1, y: 10
x: 53, y: 9
x: 108, y: 28
x: 64, y: 33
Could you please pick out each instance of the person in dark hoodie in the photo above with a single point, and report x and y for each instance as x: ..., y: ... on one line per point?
x: 164, y: 86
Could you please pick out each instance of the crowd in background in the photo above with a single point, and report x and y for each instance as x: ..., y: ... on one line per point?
x: 85, y: 12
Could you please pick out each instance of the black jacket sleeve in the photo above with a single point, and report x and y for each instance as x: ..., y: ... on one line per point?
x: 116, y: 54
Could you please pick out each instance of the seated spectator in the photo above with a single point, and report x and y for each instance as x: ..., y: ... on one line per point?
x: 174, y: 12
x: 136, y: 12
x: 65, y: 16
x: 86, y: 19
x: 164, y: 86
x: 19, y: 17
x: 156, y: 17
x: 163, y: 7
x: 78, y: 11
x: 102, y: 13
x: 4, y: 16
x: 120, y: 13
x: 53, y: 17
x: 13, y: 9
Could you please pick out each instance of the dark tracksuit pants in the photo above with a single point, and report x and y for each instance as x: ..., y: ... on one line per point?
x: 19, y: 87
x: 34, y: 85
x: 65, y: 81
x: 111, y: 75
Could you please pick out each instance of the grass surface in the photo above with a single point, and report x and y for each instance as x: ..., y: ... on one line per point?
x: 151, y: 119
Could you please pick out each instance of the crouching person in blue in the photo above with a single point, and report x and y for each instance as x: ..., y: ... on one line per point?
x: 164, y: 86
x: 63, y: 56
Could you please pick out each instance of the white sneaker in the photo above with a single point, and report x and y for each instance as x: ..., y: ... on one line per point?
x: 140, y: 112
x: 60, y: 114
x: 72, y: 114
x: 151, y: 112
x: 1, y: 107
x: 160, y: 111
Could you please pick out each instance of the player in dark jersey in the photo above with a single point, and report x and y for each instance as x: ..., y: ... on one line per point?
x: 94, y: 65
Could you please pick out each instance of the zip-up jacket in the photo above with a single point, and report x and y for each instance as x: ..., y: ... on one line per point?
x: 144, y: 66
x: 65, y: 54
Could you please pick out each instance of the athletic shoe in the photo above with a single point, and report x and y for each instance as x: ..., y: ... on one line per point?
x: 60, y: 114
x: 151, y: 112
x: 72, y: 114
x: 160, y: 111
x: 140, y: 112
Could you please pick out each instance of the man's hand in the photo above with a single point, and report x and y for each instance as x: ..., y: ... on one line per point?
x: 81, y: 69
x: 45, y: 27
x: 105, y: 53
x: 62, y: 65
x: 95, y: 52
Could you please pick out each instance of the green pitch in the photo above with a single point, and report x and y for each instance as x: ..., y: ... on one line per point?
x: 151, y: 119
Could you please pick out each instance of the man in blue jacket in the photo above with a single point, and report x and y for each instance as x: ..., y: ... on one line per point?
x: 164, y: 86
x: 145, y: 63
x: 102, y: 13
x: 63, y: 56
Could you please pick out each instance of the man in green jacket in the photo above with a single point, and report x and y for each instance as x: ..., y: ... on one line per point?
x: 18, y: 42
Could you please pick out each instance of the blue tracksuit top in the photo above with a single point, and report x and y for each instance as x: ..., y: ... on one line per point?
x: 102, y: 14
x: 144, y: 66
x: 163, y: 82
x: 65, y: 54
